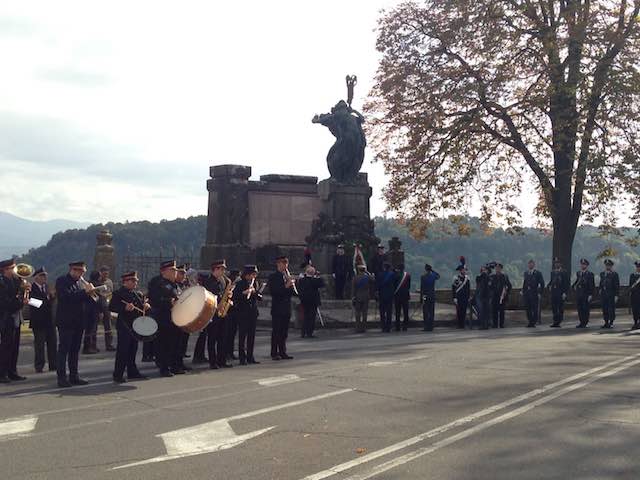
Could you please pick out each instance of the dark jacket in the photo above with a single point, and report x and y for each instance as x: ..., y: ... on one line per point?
x: 533, y: 283
x: 125, y: 319
x: 386, y: 285
x: 280, y: 295
x: 10, y: 302
x: 161, y: 293
x: 402, y: 289
x: 559, y: 283
x: 634, y: 291
x: 461, y: 287
x: 246, y: 307
x: 377, y: 263
x: 41, y: 318
x: 361, y: 287
x: 585, y: 284
x: 341, y: 266
x: 428, y: 284
x: 72, y: 301
x: 309, y: 290
x: 483, y: 289
x: 498, y: 283
x: 609, y: 284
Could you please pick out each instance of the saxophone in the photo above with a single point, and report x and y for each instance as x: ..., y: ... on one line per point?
x: 225, y: 302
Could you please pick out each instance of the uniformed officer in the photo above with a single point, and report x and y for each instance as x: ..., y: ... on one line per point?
x: 129, y: 304
x: 245, y: 304
x: 428, y: 297
x: 183, y: 342
x: 361, y: 288
x: 584, y: 286
x: 341, y: 270
x: 461, y: 290
x: 401, y: 297
x: 282, y: 287
x: 11, y: 302
x: 609, y: 290
x: 483, y: 297
x: 634, y: 295
x: 73, y: 298
x: 41, y: 322
x: 559, y: 288
x: 532, y: 288
x: 309, y: 286
x: 163, y: 293
x: 217, y: 283
x: 500, y: 290
x: 385, y: 288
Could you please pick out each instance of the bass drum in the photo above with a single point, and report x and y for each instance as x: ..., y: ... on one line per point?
x: 194, y: 309
x: 145, y: 329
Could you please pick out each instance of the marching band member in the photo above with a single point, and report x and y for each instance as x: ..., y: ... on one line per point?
x: 217, y: 283
x: 282, y: 287
x: 483, y: 296
x: 500, y: 290
x: 128, y: 303
x: 245, y: 297
x: 74, y: 294
x: 231, y: 324
x: 386, y: 289
x: 41, y: 323
x: 163, y: 292
x: 461, y: 290
x: 532, y: 288
x: 12, y: 299
x: 609, y: 290
x: 584, y: 287
x: 183, y: 338
x: 559, y: 288
x: 309, y: 286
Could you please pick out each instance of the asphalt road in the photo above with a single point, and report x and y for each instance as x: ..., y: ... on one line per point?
x: 500, y: 404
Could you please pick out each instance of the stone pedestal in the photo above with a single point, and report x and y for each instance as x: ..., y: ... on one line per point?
x: 105, y: 253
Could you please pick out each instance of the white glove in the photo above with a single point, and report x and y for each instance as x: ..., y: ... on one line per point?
x: 333, y: 275
x: 615, y: 299
x: 455, y: 300
x: 521, y: 293
x: 564, y: 296
x: 589, y: 298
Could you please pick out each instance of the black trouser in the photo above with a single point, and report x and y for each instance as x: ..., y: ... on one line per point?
x: 608, y: 309
x: 361, y: 309
x: 183, y: 346
x: 216, y: 341
x: 340, y: 283
x: 279, y: 334
x: 402, y: 306
x: 386, y: 308
x: 532, y: 302
x: 44, y: 336
x: 91, y: 328
x: 201, y: 343
x: 584, y: 309
x: 106, y: 323
x: 461, y: 311
x: 309, y: 313
x: 231, y: 329
x: 69, y: 342
x: 428, y: 311
x: 557, y: 307
x: 483, y: 305
x: 247, y: 335
x: 497, y: 312
x: 167, y: 346
x: 125, y: 353
x: 148, y: 350
x: 635, y: 308
x: 9, y: 343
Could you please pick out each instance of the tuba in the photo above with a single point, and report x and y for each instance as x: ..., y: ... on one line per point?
x: 24, y: 271
x: 225, y: 302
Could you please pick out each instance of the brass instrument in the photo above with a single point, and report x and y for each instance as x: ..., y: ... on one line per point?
x: 24, y: 271
x: 225, y: 302
x: 288, y: 277
x: 253, y: 282
x: 89, y: 288
x: 503, y: 294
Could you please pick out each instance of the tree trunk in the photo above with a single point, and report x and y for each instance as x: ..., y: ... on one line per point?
x: 564, y: 232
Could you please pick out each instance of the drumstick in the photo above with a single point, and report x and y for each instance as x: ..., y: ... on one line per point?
x: 136, y: 308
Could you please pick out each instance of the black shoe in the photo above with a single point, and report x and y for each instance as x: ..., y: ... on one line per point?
x: 232, y: 357
x: 605, y: 326
x: 15, y: 377
x: 52, y: 369
x: 147, y: 359
x: 275, y: 357
x: 186, y: 368
x: 303, y: 335
x: 38, y: 370
x: 404, y: 329
x: 77, y: 381
x: 196, y: 361
x: 531, y: 326
x: 119, y: 380
x: 63, y: 383
x: 312, y: 336
x: 137, y: 376
x: 226, y: 365
x: 284, y: 356
x: 166, y: 373
x: 253, y: 361
x: 5, y: 379
x: 243, y: 361
x: 554, y: 325
x: 110, y: 348
x: 186, y: 355
x: 178, y: 371
x: 581, y: 326
x: 213, y: 366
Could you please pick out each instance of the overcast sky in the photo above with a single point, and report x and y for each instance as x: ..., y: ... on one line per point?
x: 115, y: 110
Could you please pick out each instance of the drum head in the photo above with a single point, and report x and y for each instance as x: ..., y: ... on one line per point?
x: 145, y: 326
x: 189, y: 305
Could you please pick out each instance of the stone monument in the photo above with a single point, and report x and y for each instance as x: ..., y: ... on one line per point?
x: 105, y: 253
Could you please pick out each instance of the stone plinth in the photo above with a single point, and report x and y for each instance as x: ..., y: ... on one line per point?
x: 105, y: 253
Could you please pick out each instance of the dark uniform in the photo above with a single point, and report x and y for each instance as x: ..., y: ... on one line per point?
x: 559, y: 288
x: 246, y: 313
x: 428, y: 297
x: 10, y: 308
x: 386, y: 290
x: 460, y: 291
x: 483, y: 299
x: 609, y: 290
x: 41, y: 323
x: 634, y: 297
x: 532, y: 288
x: 401, y: 297
x: 183, y: 342
x: 500, y: 289
x: 216, y: 329
x: 231, y: 325
x: 361, y: 288
x: 280, y: 314
x: 309, y: 293
x: 584, y: 286
x: 127, y: 346
x: 162, y: 293
x: 342, y: 271
x: 73, y: 301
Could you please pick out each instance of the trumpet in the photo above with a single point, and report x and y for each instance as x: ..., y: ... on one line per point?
x: 89, y: 288
x: 287, y: 278
x: 24, y: 271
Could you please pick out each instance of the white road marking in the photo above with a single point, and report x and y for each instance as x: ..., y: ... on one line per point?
x: 217, y: 435
x: 16, y: 427
x: 459, y: 422
x: 396, y: 462
x: 273, y: 381
x: 380, y: 364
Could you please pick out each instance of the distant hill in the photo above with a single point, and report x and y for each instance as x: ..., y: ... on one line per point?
x: 440, y: 250
x: 18, y: 235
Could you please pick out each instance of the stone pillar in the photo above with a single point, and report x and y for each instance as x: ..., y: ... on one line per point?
x: 105, y: 253
x: 395, y: 254
x: 228, y: 216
